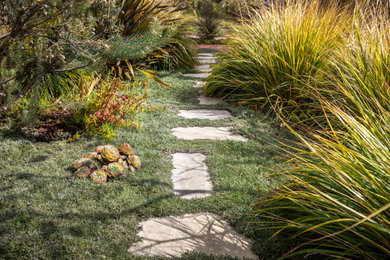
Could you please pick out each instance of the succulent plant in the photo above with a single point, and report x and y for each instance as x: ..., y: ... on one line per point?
x: 85, y: 162
x: 125, y: 149
x: 92, y: 155
x: 114, y: 169
x: 98, y: 176
x: 135, y: 161
x: 99, y: 148
x: 110, y: 153
x: 83, y: 172
x: 123, y: 163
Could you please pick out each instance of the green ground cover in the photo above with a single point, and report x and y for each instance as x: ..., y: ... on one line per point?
x: 46, y: 212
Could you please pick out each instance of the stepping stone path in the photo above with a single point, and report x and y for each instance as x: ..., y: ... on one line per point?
x: 205, y: 114
x: 203, y: 68
x: 206, y: 133
x: 197, y: 75
x: 190, y: 176
x: 206, y: 60
x: 208, y: 100
x: 203, y: 232
x: 199, y: 84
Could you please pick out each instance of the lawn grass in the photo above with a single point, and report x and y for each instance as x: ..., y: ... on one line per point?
x: 46, y: 212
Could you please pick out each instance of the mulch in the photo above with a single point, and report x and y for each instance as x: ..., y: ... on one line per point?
x: 214, y: 46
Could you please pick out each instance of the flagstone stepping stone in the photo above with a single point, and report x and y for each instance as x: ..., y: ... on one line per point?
x: 197, y: 75
x: 203, y: 100
x: 203, y: 68
x: 199, y: 84
x: 203, y: 233
x: 205, y: 114
x: 205, y: 54
x: 206, y: 60
x: 206, y: 133
x: 190, y: 177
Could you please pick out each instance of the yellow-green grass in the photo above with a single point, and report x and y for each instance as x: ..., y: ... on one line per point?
x: 274, y: 57
x: 337, y: 201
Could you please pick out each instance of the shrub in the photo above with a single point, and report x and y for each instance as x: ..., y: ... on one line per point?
x: 173, y: 50
x: 208, y: 20
x: 39, y: 38
x: 112, y: 104
x: 179, y: 54
x: 273, y: 58
x: 137, y: 15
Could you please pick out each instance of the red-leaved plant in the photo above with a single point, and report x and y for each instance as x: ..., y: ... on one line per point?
x: 107, y: 108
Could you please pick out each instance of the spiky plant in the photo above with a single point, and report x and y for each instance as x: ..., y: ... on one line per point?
x: 137, y: 15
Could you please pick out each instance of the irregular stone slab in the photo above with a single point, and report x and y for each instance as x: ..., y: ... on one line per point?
x: 190, y: 177
x: 203, y: 68
x: 209, y: 100
x: 206, y: 133
x: 197, y: 75
x: 207, y: 60
x: 205, y: 54
x: 199, y: 84
x: 203, y: 233
x: 205, y: 114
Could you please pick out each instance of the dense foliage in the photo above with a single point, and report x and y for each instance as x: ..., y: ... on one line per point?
x: 51, y: 49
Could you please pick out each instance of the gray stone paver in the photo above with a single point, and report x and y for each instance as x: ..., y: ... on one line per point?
x: 203, y: 232
x: 203, y: 68
x: 205, y: 114
x: 207, y: 60
x: 197, y: 75
x: 203, y: 100
x: 205, y: 54
x: 190, y: 177
x: 199, y: 84
x: 206, y: 133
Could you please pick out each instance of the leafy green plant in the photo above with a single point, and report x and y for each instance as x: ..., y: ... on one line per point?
x: 137, y: 15
x: 179, y: 54
x: 273, y: 58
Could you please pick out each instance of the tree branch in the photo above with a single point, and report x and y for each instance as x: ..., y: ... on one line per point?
x: 70, y: 69
x: 4, y: 35
x: 8, y: 80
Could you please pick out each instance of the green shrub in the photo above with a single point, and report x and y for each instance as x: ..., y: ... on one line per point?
x: 179, y: 54
x: 273, y: 58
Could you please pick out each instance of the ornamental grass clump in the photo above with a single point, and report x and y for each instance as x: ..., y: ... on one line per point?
x: 337, y: 201
x: 273, y: 58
